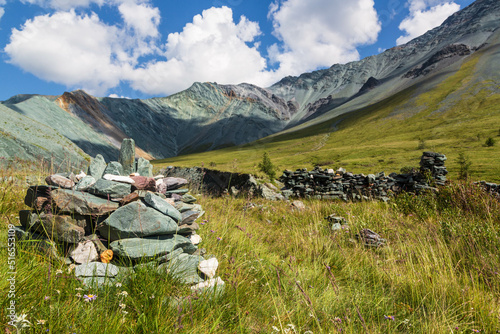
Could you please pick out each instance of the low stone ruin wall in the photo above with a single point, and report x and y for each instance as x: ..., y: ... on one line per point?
x: 116, y: 216
x: 211, y: 181
x: 492, y: 188
x: 330, y: 184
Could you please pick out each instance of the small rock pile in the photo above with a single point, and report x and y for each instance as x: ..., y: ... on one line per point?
x: 118, y: 212
x: 433, y: 163
x: 329, y: 184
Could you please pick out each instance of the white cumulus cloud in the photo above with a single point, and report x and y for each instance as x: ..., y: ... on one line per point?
x: 70, y: 49
x: 64, y: 4
x: 79, y: 50
x: 142, y: 18
x: 2, y: 11
x: 211, y: 48
x: 424, y: 16
x: 320, y: 33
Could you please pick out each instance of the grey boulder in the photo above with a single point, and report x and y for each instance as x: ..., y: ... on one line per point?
x: 136, y: 220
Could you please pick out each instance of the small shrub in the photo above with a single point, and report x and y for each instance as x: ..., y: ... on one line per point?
x: 464, y: 166
x: 212, y: 164
x: 421, y: 144
x: 267, y: 167
x: 408, y: 170
x: 490, y: 142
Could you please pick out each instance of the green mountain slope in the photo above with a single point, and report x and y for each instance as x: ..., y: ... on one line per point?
x: 449, y: 112
x: 22, y: 138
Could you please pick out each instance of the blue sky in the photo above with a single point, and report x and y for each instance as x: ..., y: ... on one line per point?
x: 145, y: 48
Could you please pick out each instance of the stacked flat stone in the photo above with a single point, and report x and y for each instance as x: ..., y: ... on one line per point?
x: 329, y: 184
x: 434, y: 163
x: 122, y: 214
x: 492, y: 188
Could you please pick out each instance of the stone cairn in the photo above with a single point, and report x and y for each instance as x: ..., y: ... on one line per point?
x: 329, y: 184
x: 118, y: 212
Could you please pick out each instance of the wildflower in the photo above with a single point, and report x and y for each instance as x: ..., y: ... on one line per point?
x: 41, y: 322
x: 337, y: 319
x: 118, y: 285
x: 79, y: 295
x: 389, y: 317
x: 89, y: 298
x: 122, y: 306
x: 124, y: 312
x: 46, y: 298
x: 276, y: 329
x: 219, y: 238
x: 21, y: 321
x: 476, y: 330
x: 123, y: 293
x: 58, y: 292
x: 212, y: 231
x: 59, y: 272
x: 79, y: 289
x: 152, y: 296
x: 70, y: 268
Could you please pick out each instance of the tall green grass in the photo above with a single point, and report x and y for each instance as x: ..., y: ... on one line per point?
x: 287, y: 272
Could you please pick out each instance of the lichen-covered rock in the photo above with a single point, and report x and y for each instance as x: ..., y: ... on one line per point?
x: 127, y: 156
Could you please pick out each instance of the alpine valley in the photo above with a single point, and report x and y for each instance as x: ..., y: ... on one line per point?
x: 439, y: 87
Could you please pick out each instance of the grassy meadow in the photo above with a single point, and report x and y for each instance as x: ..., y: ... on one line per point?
x: 287, y: 272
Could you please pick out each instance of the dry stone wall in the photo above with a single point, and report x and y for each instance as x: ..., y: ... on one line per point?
x: 329, y: 184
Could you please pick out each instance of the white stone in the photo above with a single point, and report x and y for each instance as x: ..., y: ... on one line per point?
x: 135, y: 174
x: 81, y: 175
x: 158, y: 177
x: 118, y: 178
x: 195, y: 239
x: 85, y: 252
x: 214, y: 282
x: 209, y: 267
x: 331, y: 171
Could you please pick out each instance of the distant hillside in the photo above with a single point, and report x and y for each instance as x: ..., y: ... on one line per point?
x: 209, y: 116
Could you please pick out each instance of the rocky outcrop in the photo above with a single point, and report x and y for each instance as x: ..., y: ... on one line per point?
x: 454, y: 50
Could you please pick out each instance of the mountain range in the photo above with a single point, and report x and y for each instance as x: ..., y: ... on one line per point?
x: 209, y: 116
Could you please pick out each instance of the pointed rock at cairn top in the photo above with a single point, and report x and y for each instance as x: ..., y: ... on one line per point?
x: 127, y: 156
